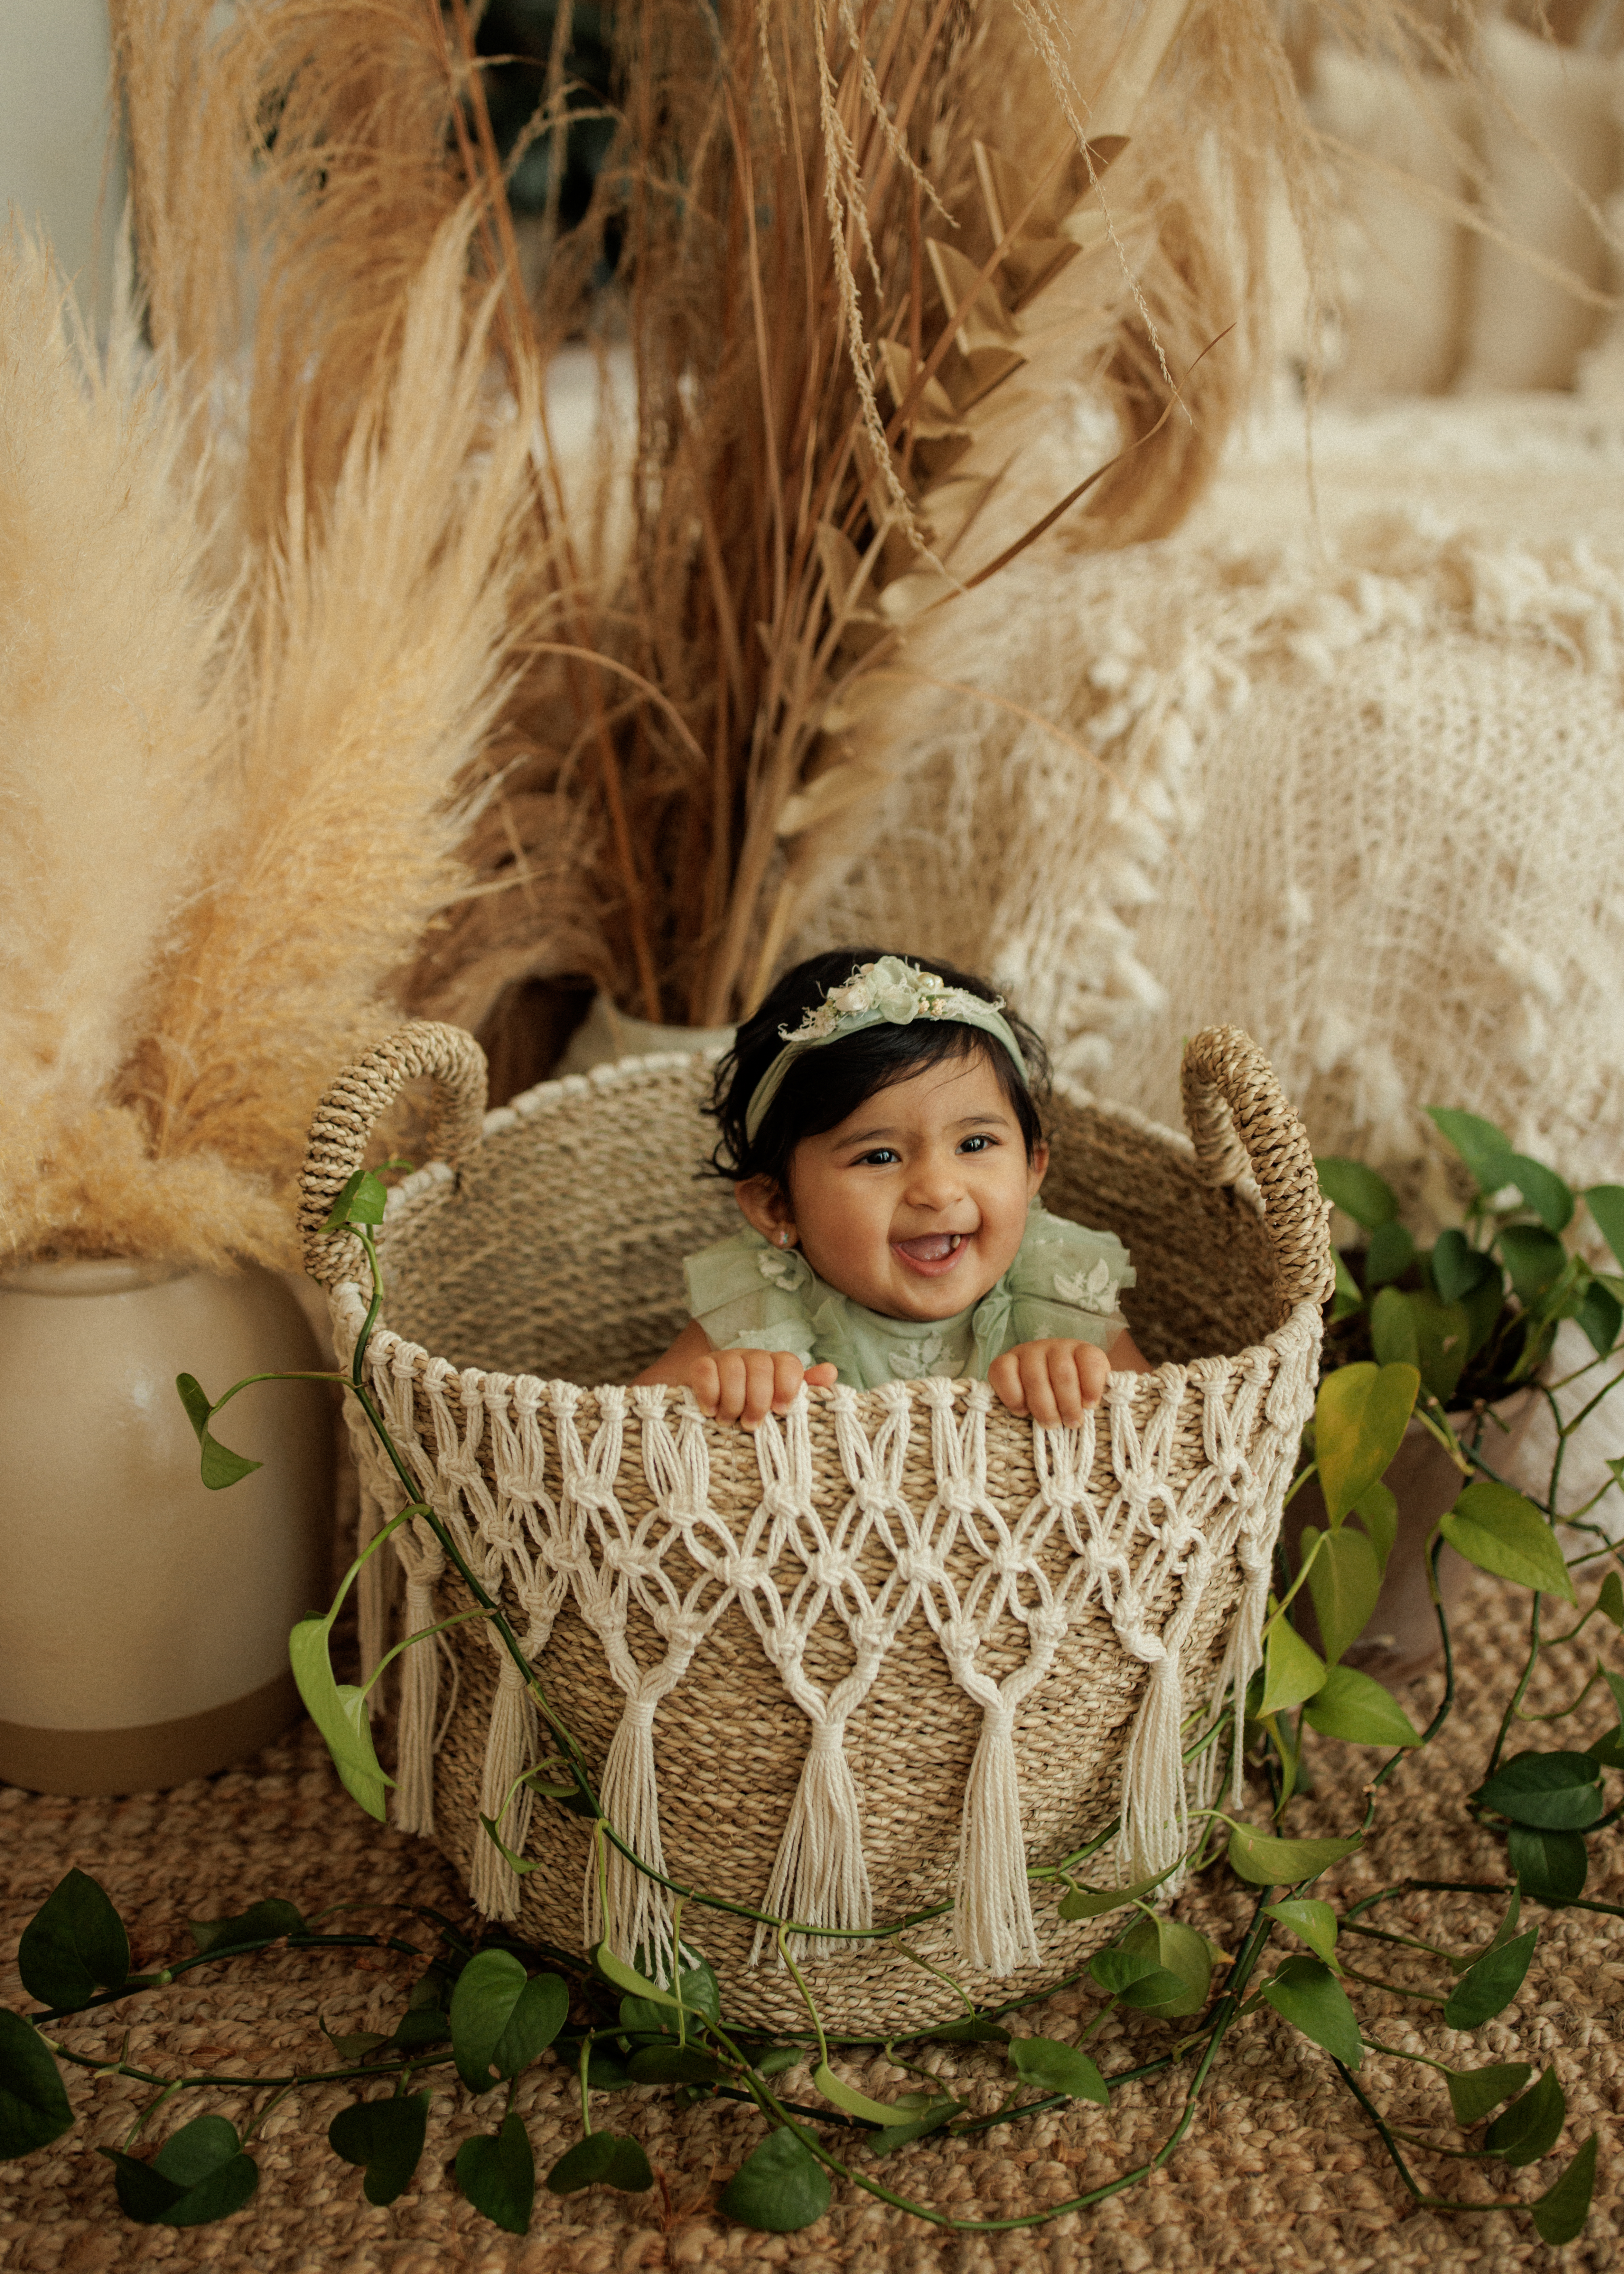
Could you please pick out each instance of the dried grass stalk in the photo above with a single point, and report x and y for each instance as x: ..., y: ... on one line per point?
x: 863, y: 253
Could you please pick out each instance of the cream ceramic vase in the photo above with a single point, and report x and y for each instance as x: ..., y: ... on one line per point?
x: 144, y: 1619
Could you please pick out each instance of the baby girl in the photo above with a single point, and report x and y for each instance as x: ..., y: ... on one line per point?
x: 880, y: 1124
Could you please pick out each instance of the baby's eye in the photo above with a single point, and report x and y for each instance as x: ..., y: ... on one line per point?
x: 882, y: 1157
x: 977, y: 1144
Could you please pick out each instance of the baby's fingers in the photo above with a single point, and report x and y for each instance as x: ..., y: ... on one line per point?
x: 1004, y: 1381
x: 771, y: 1382
x: 823, y: 1377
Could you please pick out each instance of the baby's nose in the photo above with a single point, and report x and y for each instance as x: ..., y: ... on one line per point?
x: 936, y: 1184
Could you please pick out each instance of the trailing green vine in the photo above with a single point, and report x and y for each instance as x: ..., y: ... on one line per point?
x: 482, y: 2015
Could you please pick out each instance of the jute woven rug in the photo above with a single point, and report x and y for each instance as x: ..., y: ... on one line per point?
x: 1280, y: 2170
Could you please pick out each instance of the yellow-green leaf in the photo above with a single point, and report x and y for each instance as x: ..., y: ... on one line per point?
x: 1499, y: 1531
x: 1291, y: 1670
x: 1360, y: 1417
x: 1344, y: 1580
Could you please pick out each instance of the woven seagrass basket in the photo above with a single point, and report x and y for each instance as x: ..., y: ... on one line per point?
x: 880, y: 1657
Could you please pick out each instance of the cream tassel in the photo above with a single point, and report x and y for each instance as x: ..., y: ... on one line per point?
x: 412, y: 1809
x: 1155, y: 1807
x: 1242, y: 1655
x: 510, y: 1748
x: 1155, y: 1814
x: 638, y: 1926
x: 993, y: 1926
x: 820, y: 1875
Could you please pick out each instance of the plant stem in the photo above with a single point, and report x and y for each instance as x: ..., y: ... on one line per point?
x: 1384, y: 2132
x: 1520, y: 1692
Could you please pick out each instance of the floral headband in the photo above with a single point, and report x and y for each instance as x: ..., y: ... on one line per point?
x: 891, y: 991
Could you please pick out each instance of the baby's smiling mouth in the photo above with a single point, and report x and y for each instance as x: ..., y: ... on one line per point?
x: 934, y: 1252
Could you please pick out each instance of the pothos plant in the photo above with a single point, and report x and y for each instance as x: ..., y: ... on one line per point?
x: 485, y: 2012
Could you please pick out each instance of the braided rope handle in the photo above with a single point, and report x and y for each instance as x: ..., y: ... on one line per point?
x: 345, y: 1117
x: 1238, y: 1118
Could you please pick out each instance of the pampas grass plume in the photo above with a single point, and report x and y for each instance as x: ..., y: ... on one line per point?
x: 229, y: 820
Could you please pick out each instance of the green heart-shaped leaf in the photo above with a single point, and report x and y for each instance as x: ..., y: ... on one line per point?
x: 1356, y: 1707
x: 1534, y: 1259
x: 844, y: 2095
x: 1474, y: 2092
x: 74, y: 1945
x: 219, y: 1466
x: 1050, y: 2067
x: 1485, y: 1150
x: 199, y: 2175
x: 1269, y: 1863
x: 1360, y: 1417
x: 1606, y: 1203
x: 1459, y: 1269
x: 1552, y: 1792
x: 1133, y: 1978
x: 1357, y: 1190
x: 498, y: 2174
x: 386, y: 2137
x: 1545, y: 1191
x: 339, y: 1710
x: 700, y: 1992
x: 1180, y: 1951
x: 1551, y: 1866
x: 1344, y: 1580
x: 779, y: 2188
x: 1499, y: 1531
x: 1307, y: 1993
x: 502, y: 2019
x: 603, y: 2159
x: 1559, y: 2214
x: 1532, y: 2127
x: 33, y: 2106
x: 1488, y: 1987
x: 1312, y: 1921
x: 1599, y: 1317
x: 1094, y: 1902
x: 262, y: 1922
x: 363, y: 1200
x: 673, y: 2064
x: 1389, y: 1256
x: 1291, y: 1670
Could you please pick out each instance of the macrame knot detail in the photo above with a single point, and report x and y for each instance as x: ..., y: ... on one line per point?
x: 917, y: 1566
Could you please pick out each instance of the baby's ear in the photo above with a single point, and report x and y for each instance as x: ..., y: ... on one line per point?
x: 764, y: 1208
x: 1037, y: 1168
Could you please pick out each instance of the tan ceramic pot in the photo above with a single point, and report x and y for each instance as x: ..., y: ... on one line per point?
x: 144, y: 1619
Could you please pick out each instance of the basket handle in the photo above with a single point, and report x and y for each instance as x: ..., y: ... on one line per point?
x: 1238, y: 1118
x: 350, y: 1107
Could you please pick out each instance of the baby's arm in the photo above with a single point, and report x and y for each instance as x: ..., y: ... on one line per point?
x: 1054, y: 1381
x: 735, y: 1385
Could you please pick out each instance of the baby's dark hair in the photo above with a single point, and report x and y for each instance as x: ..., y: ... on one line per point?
x: 823, y: 1086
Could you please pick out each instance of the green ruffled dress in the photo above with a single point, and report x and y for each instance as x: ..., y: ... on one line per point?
x: 1063, y: 1283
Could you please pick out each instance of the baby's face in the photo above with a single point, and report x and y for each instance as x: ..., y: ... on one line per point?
x: 915, y: 1205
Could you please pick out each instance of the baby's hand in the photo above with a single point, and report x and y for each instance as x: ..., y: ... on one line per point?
x: 1051, y: 1381
x: 747, y: 1385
